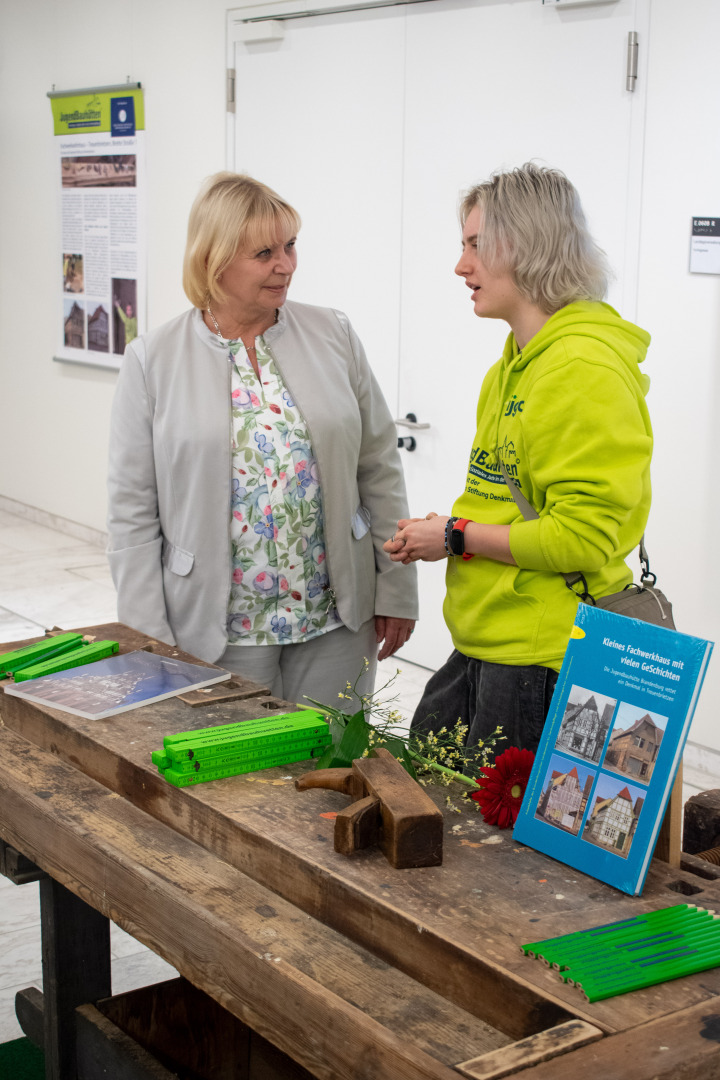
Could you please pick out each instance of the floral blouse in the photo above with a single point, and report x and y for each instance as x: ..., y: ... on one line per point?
x: 280, y: 591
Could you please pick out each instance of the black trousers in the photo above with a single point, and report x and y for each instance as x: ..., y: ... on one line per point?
x: 485, y: 696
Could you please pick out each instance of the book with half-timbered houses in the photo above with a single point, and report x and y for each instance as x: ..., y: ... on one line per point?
x: 611, y: 746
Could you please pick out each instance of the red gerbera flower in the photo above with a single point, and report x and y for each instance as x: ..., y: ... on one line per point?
x: 502, y: 786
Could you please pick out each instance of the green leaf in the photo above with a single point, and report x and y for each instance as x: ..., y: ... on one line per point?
x: 354, y: 740
x: 336, y: 716
x: 337, y: 727
x: 330, y: 760
x: 407, y: 762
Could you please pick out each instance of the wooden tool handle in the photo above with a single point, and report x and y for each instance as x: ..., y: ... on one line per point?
x: 333, y: 779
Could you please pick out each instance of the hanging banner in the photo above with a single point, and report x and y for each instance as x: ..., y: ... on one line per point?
x: 100, y: 140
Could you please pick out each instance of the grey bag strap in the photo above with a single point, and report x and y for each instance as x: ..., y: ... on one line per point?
x: 571, y: 580
x: 526, y: 508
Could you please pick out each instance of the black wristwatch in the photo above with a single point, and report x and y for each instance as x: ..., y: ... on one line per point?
x: 456, y: 538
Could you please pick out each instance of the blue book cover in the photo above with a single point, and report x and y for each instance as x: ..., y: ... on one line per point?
x: 611, y: 746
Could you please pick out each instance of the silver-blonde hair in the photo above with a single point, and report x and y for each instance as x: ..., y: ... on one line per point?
x: 534, y: 228
x: 232, y: 213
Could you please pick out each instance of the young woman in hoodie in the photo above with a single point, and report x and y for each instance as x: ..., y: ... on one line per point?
x: 564, y: 411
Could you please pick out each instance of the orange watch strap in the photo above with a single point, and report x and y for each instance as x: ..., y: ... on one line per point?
x: 459, y: 526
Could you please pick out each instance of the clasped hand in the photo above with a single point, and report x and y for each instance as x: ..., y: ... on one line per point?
x: 418, y: 538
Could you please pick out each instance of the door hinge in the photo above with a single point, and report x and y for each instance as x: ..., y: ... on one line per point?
x: 632, y: 61
x: 230, y: 90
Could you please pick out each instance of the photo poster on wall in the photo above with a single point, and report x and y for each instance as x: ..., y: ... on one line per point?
x: 101, y: 261
x: 611, y: 745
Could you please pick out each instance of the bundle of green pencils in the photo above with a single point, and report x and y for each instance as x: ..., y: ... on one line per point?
x: 192, y: 757
x: 629, y: 955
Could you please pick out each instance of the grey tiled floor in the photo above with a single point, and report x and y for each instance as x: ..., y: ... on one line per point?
x: 49, y: 579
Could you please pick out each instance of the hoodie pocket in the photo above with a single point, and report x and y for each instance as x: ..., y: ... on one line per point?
x: 177, y: 560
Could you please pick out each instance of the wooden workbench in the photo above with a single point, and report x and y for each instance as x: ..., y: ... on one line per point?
x: 352, y: 969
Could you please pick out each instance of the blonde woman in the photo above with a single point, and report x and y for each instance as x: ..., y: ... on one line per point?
x: 564, y: 411
x: 254, y: 471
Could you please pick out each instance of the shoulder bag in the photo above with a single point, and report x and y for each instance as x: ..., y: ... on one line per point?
x: 638, y: 601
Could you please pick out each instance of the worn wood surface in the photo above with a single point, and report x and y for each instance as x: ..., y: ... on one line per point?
x: 184, y: 1028
x: 76, y: 969
x: 457, y: 929
x: 669, y: 841
x: 104, y: 1051
x: 29, y: 1010
x: 235, y: 689
x: 191, y: 1034
x: 544, y: 1046
x: 451, y: 926
x: 320, y: 998
x: 16, y: 867
x: 684, y: 1046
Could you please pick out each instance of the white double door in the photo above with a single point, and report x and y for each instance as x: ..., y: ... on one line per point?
x: 372, y: 123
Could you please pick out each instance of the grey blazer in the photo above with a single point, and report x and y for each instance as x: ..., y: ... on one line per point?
x: 171, y: 464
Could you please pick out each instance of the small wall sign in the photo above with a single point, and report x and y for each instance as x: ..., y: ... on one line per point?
x: 705, y: 246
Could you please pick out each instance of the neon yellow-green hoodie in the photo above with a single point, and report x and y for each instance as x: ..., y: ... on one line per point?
x: 568, y: 417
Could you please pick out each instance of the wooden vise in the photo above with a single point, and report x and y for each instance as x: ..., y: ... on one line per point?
x: 388, y: 808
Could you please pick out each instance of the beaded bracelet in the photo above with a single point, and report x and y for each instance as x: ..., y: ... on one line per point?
x: 448, y: 529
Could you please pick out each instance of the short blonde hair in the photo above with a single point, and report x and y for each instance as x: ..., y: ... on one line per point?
x: 232, y: 213
x: 534, y: 228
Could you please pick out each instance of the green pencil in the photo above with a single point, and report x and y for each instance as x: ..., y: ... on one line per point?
x: 608, y: 967
x: 610, y: 930
x: 659, y: 959
x: 584, y: 947
x: 659, y: 929
x: 663, y: 973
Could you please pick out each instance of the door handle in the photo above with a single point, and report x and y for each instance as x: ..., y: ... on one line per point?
x: 410, y: 420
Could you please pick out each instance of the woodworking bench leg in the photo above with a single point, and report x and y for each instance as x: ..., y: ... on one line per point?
x: 76, y: 970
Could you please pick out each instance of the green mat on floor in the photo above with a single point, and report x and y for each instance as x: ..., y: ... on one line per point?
x: 21, y: 1060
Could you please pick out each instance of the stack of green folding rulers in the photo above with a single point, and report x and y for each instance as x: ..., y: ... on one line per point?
x: 53, y: 654
x: 634, y: 953
x: 192, y: 757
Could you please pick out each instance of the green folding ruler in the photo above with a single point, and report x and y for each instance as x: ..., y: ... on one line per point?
x: 97, y: 650
x: 281, y: 758
x: 11, y: 662
x: 191, y: 757
x: 246, y: 734
x: 234, y: 757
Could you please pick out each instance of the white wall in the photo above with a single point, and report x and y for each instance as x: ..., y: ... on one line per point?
x: 682, y: 312
x: 54, y: 418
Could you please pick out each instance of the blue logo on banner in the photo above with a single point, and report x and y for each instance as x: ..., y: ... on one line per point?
x: 122, y: 116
